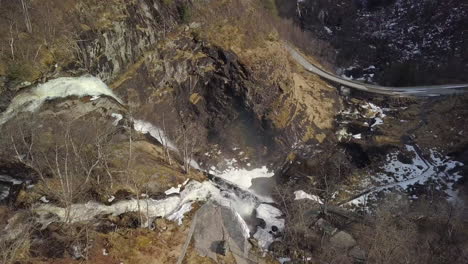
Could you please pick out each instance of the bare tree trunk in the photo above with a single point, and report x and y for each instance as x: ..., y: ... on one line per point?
x: 12, y: 42
x: 186, y: 152
x: 188, y: 148
x: 27, y: 19
x: 164, y: 141
x: 130, y: 141
x: 181, y: 258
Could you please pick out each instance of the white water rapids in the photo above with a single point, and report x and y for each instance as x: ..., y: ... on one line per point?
x: 173, y: 207
x: 32, y: 99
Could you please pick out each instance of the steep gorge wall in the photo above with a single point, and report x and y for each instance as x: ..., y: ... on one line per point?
x: 124, y: 33
x: 173, y: 75
x: 74, y: 37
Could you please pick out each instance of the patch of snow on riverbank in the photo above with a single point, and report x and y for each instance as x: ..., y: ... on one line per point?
x: 178, y: 215
x: 240, y: 176
x: 117, y: 117
x: 172, y: 190
x: 169, y: 207
x: 9, y: 179
x: 243, y: 177
x: 159, y: 134
x: 4, y: 192
x: 5, y: 185
x: 300, y: 195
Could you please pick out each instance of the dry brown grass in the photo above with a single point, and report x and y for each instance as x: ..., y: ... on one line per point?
x: 248, y: 29
x: 26, y: 55
x: 15, y: 239
x: 257, y: 37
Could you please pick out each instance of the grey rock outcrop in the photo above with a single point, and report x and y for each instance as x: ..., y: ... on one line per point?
x: 107, y: 52
x: 342, y: 240
x: 358, y: 254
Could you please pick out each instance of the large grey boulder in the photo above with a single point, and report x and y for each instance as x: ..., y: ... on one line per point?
x: 358, y: 254
x: 342, y: 240
x: 217, y: 230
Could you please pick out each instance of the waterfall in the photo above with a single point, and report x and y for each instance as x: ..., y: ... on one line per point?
x: 32, y: 99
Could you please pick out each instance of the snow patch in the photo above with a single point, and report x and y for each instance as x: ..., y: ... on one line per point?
x: 243, y: 177
x: 420, y: 170
x: 300, y: 195
x: 172, y: 190
x: 178, y: 215
x: 117, y: 117
x: 436, y: 169
x: 240, y: 176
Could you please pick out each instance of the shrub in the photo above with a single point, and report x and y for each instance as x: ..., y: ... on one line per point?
x: 19, y: 71
x: 185, y: 13
x: 270, y: 5
x: 167, y: 2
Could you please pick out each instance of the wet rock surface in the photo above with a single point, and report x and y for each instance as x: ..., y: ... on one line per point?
x: 13, y: 178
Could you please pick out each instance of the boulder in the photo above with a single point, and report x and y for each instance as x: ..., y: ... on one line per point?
x: 358, y: 254
x: 342, y: 240
x: 325, y: 226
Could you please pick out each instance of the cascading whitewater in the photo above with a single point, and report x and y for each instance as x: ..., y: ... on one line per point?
x: 172, y: 207
x: 32, y: 99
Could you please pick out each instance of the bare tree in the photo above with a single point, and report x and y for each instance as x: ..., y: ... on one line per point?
x: 67, y: 156
x: 12, y: 42
x: 189, y: 141
x: 163, y: 138
x: 16, y: 246
x: 27, y: 18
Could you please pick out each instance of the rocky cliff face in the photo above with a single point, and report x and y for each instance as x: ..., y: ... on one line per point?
x: 218, y: 101
x: 76, y: 37
x: 226, y: 93
x: 188, y: 85
x: 117, y: 35
x: 133, y: 47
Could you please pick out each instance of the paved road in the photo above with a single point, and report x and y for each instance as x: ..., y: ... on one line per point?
x: 418, y: 91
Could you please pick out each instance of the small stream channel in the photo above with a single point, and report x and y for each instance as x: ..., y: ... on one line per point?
x: 241, y: 186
